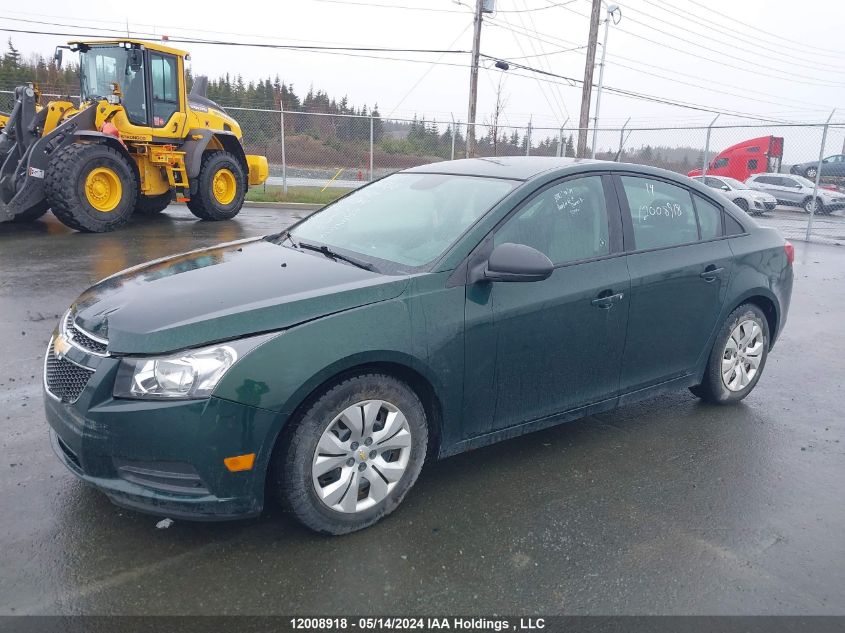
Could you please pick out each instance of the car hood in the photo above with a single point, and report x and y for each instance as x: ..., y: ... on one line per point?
x: 221, y: 293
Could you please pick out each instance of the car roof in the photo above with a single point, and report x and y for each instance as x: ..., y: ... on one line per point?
x: 511, y: 167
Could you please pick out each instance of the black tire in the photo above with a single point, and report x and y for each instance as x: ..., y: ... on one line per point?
x: 807, y: 205
x: 292, y: 460
x: 203, y: 203
x: 810, y: 173
x: 153, y: 205
x: 712, y: 387
x: 33, y: 213
x: 742, y: 204
x: 65, y: 187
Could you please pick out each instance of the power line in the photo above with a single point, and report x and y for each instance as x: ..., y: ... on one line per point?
x: 351, y: 51
x: 780, y: 43
x: 758, y: 29
x: 539, y: 85
x: 544, y: 62
x: 428, y: 70
x: 734, y: 45
x: 615, y: 57
x: 698, y: 56
x: 392, y: 6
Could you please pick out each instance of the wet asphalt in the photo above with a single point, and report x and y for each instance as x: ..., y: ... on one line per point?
x: 666, y: 507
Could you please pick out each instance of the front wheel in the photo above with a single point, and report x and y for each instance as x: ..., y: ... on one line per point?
x: 221, y: 187
x: 811, y: 173
x: 353, y: 455
x: 91, y: 187
x: 33, y: 213
x: 738, y: 356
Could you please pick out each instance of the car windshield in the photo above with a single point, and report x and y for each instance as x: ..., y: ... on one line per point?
x: 406, y: 219
x: 735, y: 184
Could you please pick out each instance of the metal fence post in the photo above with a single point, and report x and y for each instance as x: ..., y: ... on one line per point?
x: 706, y: 158
x: 371, y: 148
x: 453, y: 136
x: 818, y: 177
x: 622, y: 139
x: 284, y: 161
x: 528, y: 140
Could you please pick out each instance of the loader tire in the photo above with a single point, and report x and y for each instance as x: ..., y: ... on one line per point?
x: 153, y: 205
x: 91, y: 188
x: 33, y: 213
x: 221, y: 187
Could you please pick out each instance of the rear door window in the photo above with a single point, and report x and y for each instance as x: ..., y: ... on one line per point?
x: 709, y: 218
x: 662, y: 214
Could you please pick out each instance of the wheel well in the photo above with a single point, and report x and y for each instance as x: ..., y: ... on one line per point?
x: 415, y: 380
x: 768, y: 308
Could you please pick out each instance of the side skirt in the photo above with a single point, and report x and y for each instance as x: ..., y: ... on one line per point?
x: 610, y: 404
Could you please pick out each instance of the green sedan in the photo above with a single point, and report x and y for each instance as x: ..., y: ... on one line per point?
x: 434, y: 311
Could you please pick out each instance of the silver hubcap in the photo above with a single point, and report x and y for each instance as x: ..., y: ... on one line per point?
x: 361, y: 456
x: 742, y: 355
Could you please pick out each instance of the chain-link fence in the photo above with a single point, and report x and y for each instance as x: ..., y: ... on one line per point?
x: 343, y: 151
x: 330, y: 150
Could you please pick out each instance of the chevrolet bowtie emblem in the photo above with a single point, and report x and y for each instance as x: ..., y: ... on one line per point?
x: 60, y: 346
x: 362, y: 455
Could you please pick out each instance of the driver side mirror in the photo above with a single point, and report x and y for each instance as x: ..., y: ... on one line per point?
x: 517, y: 262
x: 725, y: 188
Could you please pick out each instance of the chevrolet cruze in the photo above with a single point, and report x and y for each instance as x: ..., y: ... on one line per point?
x: 434, y: 311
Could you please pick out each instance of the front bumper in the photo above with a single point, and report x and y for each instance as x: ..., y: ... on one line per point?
x: 833, y: 205
x: 160, y: 457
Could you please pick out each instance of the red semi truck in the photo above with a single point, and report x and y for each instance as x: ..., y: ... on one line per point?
x: 753, y: 156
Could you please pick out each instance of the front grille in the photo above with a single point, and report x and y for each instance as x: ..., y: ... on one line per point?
x: 81, y: 339
x: 64, y: 379
x: 771, y: 205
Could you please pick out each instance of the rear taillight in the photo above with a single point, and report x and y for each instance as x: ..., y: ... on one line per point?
x: 789, y: 249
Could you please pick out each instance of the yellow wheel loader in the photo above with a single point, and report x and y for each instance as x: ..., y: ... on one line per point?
x: 136, y: 142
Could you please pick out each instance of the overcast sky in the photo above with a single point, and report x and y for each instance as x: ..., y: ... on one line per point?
x: 788, y: 66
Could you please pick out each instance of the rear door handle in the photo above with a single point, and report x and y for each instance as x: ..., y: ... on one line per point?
x: 711, y: 272
x: 606, y: 302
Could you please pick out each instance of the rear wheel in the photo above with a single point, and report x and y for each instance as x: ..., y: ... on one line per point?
x: 738, y: 356
x: 91, y: 187
x: 33, y: 213
x: 153, y: 205
x: 353, y: 455
x: 813, y: 206
x: 221, y: 187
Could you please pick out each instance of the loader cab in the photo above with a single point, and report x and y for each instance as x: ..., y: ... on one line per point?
x: 148, y: 80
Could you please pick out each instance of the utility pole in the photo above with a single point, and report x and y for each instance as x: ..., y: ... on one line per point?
x: 473, y: 79
x: 586, y: 90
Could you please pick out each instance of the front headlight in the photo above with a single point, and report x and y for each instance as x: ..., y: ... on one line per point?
x: 192, y: 374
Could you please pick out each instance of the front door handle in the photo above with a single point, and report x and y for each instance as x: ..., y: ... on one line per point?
x: 605, y: 301
x: 711, y: 273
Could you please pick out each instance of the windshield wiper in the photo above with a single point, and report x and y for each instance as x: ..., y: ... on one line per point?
x: 325, y: 250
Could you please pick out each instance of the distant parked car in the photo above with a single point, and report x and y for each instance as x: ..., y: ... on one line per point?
x: 832, y: 166
x: 797, y: 191
x: 748, y: 199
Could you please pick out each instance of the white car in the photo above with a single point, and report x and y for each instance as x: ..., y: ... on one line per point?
x: 743, y: 196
